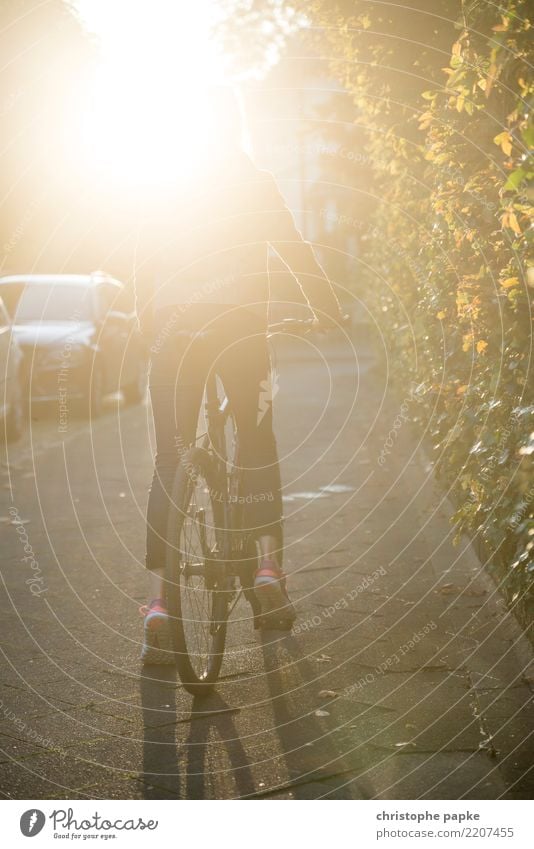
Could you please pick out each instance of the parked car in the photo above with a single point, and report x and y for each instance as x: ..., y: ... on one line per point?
x: 11, y: 380
x: 78, y: 337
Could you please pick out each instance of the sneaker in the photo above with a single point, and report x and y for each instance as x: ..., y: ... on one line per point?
x: 277, y: 612
x: 157, y: 647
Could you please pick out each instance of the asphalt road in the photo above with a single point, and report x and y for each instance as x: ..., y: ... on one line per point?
x: 405, y: 676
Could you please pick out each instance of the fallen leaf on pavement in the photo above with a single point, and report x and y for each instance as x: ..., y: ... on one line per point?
x: 451, y: 589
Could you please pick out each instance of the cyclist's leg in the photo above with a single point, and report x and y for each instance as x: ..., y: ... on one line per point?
x: 245, y: 369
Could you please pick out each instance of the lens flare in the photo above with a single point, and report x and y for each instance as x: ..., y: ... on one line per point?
x: 146, y: 119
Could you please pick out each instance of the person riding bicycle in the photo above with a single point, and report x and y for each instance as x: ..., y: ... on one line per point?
x: 202, y: 263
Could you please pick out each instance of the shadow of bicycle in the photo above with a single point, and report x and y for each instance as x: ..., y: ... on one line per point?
x: 200, y: 753
x: 197, y: 767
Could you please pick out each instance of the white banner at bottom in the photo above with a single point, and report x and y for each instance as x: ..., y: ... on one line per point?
x: 252, y: 826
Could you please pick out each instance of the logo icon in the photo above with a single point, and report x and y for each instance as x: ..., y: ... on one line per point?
x: 31, y: 822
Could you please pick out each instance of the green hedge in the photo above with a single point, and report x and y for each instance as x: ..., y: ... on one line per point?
x: 448, y: 138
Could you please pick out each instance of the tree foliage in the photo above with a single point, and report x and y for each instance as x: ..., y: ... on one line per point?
x: 449, y: 134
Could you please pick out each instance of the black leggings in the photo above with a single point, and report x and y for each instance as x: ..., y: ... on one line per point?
x: 237, y: 350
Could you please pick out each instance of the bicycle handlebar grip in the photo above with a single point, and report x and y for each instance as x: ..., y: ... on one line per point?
x: 291, y: 325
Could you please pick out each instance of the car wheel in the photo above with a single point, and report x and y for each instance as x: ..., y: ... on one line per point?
x: 135, y: 392
x: 15, y: 417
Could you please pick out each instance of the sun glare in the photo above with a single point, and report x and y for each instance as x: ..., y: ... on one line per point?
x: 146, y: 120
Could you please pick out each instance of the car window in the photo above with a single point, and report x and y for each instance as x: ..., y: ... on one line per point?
x: 54, y: 302
x: 107, y: 299
x: 11, y: 293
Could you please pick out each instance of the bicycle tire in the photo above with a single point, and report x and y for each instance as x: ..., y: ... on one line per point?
x: 201, y: 581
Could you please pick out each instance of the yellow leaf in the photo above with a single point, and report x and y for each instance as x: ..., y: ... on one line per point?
x: 481, y: 346
x: 513, y: 224
x: 441, y: 315
x: 502, y: 27
x: 510, y: 281
x: 504, y: 140
x: 509, y: 220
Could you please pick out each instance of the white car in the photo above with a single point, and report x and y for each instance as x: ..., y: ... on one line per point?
x: 11, y: 379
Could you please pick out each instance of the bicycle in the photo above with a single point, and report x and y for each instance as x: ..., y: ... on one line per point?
x: 210, y: 562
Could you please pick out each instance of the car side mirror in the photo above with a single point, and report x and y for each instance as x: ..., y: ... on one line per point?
x: 114, y: 317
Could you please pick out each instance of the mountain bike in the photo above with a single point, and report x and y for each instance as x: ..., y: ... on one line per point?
x: 210, y: 561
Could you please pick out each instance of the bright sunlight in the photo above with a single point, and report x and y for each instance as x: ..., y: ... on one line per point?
x: 147, y: 120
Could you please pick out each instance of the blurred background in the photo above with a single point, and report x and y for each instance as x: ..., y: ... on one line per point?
x: 400, y: 136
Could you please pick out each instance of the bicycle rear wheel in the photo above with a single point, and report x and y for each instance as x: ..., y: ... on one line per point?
x: 197, y: 585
